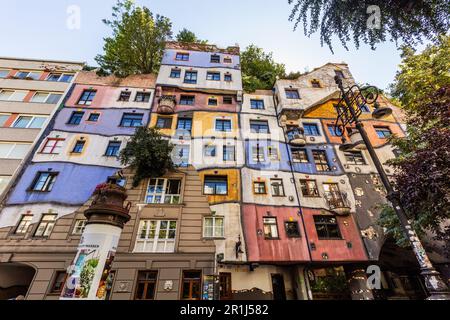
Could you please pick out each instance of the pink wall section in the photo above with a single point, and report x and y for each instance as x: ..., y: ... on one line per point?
x: 337, y: 250
x: 283, y: 249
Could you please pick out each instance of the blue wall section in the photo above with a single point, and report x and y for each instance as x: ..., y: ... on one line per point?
x: 74, y: 183
x: 199, y: 59
x: 107, y: 124
x: 283, y: 164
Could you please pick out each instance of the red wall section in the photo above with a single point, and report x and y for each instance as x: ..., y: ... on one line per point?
x: 337, y: 250
x: 283, y: 249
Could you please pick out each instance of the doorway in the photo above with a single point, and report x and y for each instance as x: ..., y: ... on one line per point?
x: 279, y: 292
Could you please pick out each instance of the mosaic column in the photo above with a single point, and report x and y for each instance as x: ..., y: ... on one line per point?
x: 357, y: 283
x: 90, y: 273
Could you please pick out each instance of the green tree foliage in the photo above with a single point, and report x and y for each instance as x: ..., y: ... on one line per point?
x: 187, y: 36
x: 259, y: 70
x: 410, y: 21
x: 421, y: 75
x: 137, y: 42
x: 148, y: 154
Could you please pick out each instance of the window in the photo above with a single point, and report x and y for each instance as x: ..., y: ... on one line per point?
x: 257, y: 104
x: 215, y: 76
x: 3, y: 119
x: 215, y: 58
x: 333, y: 195
x: 24, y: 223
x: 181, y: 155
x: 78, y: 147
x: 156, y: 236
x: 4, y: 74
x: 292, y: 229
x: 334, y: 131
x: 321, y: 161
x: 215, y: 185
x: 354, y: 157
x: 259, y: 126
x: 146, y: 285
x: 277, y: 187
x: 11, y: 95
x: 13, y: 150
x: 163, y: 191
x: 142, y: 97
x: 46, y: 225
x: 270, y: 228
x: 309, y: 188
x: 227, y: 100
x: 311, y: 129
x: 273, y: 153
x: 327, y: 227
x: 292, y: 94
x: 113, y: 148
x: 79, y: 226
x: 58, y: 282
x: 383, y: 132
x: 212, y: 102
x: 315, y: 83
x: 213, y: 227
x: 339, y: 73
x: 125, y: 96
x: 76, y: 117
x: 164, y: 123
x: 87, y: 97
x: 229, y: 153
x: 4, y: 181
x: 227, y: 60
x: 227, y: 77
x: 187, y: 100
x: 52, y: 146
x: 65, y: 77
x: 299, y: 155
x: 192, y: 285
x: 44, y: 181
x: 209, y: 150
x: 131, y: 120
x: 45, y: 97
x: 258, y: 154
x: 365, y: 108
x: 93, y: 117
x: 182, y: 56
x: 28, y: 75
x: 223, y: 125
x: 184, y: 124
x: 175, y: 73
x: 190, y: 77
x: 259, y: 187
x: 31, y: 122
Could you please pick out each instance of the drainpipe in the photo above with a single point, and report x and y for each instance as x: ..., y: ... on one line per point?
x: 300, y: 211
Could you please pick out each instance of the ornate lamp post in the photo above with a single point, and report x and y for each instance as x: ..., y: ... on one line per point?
x: 349, y: 109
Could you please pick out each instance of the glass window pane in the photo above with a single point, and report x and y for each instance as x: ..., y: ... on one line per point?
x: 3, y: 119
x: 39, y: 97
x: 37, y: 122
x: 19, y: 151
x: 6, y: 94
x: 22, y: 122
x: 18, y: 95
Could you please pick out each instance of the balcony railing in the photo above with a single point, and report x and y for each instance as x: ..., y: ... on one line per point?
x: 296, y: 136
x: 338, y: 202
x: 166, y: 105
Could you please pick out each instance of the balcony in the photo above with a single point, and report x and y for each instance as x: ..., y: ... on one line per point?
x: 338, y: 202
x: 166, y: 105
x: 296, y: 136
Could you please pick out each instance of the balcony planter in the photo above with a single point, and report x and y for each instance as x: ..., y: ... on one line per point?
x: 166, y: 105
x: 296, y: 137
x: 357, y: 141
x: 338, y: 203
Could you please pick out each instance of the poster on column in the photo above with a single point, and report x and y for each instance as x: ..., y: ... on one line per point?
x: 89, y: 274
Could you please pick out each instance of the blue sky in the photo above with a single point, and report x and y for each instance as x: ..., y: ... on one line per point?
x: 37, y: 29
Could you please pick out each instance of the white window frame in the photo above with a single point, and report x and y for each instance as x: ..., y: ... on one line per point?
x: 150, y: 244
x: 33, y: 117
x: 12, y: 147
x: 45, y: 226
x: 79, y: 226
x: 163, y: 194
x: 214, y: 227
x: 23, y: 224
x: 47, y: 97
x: 226, y: 118
x: 13, y: 93
x: 60, y: 76
x: 28, y: 74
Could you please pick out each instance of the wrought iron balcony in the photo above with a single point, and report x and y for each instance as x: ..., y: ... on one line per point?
x: 338, y: 202
x: 166, y: 105
x: 296, y: 136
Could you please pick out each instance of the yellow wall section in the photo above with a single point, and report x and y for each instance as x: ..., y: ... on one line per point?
x: 234, y: 184
x: 166, y: 132
x: 327, y: 110
x: 204, y: 123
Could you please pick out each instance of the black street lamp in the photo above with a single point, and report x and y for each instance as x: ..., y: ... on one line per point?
x: 349, y: 109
